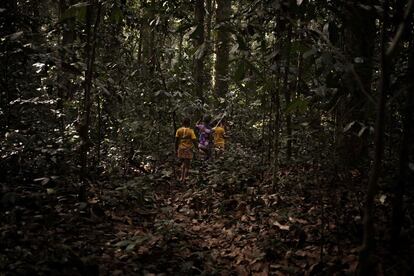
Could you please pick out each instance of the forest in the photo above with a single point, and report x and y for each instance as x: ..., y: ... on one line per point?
x: 207, y: 137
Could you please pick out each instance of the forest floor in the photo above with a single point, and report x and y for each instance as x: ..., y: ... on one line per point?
x: 222, y: 222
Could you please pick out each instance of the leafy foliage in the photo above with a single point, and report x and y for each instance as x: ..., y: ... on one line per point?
x: 91, y: 93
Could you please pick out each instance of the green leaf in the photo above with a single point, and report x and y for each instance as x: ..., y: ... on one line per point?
x: 77, y: 11
x: 299, y: 105
x: 240, y: 41
x: 200, y: 52
x: 192, y: 33
x: 130, y: 247
x: 182, y: 27
x: 15, y: 35
x: 44, y: 180
x: 348, y: 126
x: 309, y: 53
x: 240, y: 71
x: 50, y: 191
x: 123, y: 243
x: 361, y: 132
x: 299, y: 46
x: 116, y: 15
x: 234, y: 49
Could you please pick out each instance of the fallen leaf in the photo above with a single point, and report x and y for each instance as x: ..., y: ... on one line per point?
x: 299, y: 220
x: 382, y: 199
x: 281, y: 226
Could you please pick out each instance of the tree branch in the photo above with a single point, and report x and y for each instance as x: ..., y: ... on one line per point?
x: 401, y: 29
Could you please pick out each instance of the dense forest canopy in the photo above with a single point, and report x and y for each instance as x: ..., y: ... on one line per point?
x: 317, y: 101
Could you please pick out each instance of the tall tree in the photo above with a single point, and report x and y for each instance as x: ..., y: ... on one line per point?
x: 199, y: 14
x: 90, y: 52
x: 406, y: 151
x: 366, y: 264
x: 209, y: 4
x: 407, y: 143
x: 359, y: 45
x: 147, y: 37
x: 287, y: 94
x: 65, y: 53
x: 8, y: 24
x: 221, y: 77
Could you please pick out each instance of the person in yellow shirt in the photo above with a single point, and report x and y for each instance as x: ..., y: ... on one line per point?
x: 219, y: 135
x: 184, y: 140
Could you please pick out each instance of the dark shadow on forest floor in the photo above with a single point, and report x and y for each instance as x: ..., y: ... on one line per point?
x: 224, y: 222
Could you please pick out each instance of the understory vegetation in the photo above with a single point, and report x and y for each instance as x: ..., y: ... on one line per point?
x: 317, y: 102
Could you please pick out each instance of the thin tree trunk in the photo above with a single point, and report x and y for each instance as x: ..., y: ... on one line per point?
x: 359, y: 44
x: 64, y: 85
x: 9, y: 85
x: 276, y: 130
x: 139, y: 58
x: 7, y: 98
x: 366, y: 265
x: 99, y: 142
x: 221, y: 77
x: 209, y: 48
x: 152, y: 57
x: 90, y: 50
x: 199, y: 13
x: 180, y: 50
x: 152, y: 50
x: 148, y: 38
x: 297, y: 86
x: 405, y: 150
x: 263, y: 131
x: 270, y: 127
x: 288, y: 96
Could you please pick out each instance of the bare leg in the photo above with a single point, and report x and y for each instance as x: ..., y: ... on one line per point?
x: 186, y: 167
x: 182, y: 171
x: 207, y: 153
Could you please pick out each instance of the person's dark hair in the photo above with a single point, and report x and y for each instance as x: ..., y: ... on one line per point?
x: 206, y: 119
x: 186, y: 121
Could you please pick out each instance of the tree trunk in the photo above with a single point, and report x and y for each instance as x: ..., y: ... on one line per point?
x: 99, y: 131
x: 297, y: 84
x: 276, y: 131
x: 141, y: 35
x: 199, y: 45
x: 7, y: 20
x: 221, y: 77
x: 406, y: 150
x: 276, y: 126
x: 64, y: 85
x: 366, y: 265
x: 208, y: 42
x: 147, y: 38
x: 180, y: 51
x: 90, y: 49
x: 359, y: 46
x: 287, y: 95
x: 152, y: 50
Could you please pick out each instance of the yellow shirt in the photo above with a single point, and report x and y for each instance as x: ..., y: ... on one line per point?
x: 218, y: 135
x: 186, y: 135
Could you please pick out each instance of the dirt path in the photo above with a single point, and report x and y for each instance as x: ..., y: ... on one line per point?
x: 199, y: 229
x: 150, y: 226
